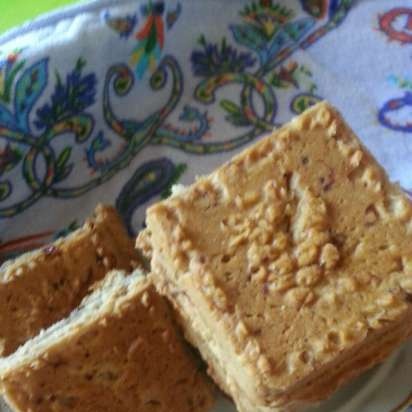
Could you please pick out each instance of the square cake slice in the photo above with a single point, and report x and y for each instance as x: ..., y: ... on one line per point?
x: 290, y: 265
x: 41, y: 287
x: 119, y: 351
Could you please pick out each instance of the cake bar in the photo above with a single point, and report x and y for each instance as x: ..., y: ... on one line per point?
x: 41, y: 287
x: 290, y: 265
x: 118, y: 352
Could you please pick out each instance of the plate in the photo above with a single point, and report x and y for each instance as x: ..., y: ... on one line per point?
x: 116, y: 101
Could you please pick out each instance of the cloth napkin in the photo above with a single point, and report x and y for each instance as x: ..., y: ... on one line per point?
x: 114, y: 101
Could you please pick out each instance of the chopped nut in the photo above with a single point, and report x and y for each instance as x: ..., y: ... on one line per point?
x: 280, y: 283
x: 329, y: 256
x: 207, y: 279
x: 31, y: 264
x: 180, y: 260
x: 107, y: 262
x: 239, y: 202
x: 347, y: 148
x: 261, y: 275
x: 219, y: 299
x: 375, y: 322
x: 332, y: 129
x: 280, y: 241
x: 205, y: 185
x: 283, y: 265
x: 265, y: 147
x: 255, y: 233
x: 407, y: 265
x: 369, y: 309
x: 266, y: 253
x: 310, y: 298
x: 100, y: 251
x: 330, y: 297
x: 252, y: 156
x: 370, y: 177
x: 345, y: 336
x: 36, y: 364
x: 271, y: 190
x: 319, y: 346
x: 406, y: 284
x: 400, y: 207
x: 237, y: 240
x: 95, y: 238
x: 250, y: 198
x: 262, y: 225
x: 145, y: 299
x: 263, y: 364
x: 309, y: 276
x: 316, y: 237
x: 359, y: 330
x: 273, y: 214
x: 324, y: 118
x: 355, y: 159
x: 371, y: 215
x: 283, y: 193
x: 386, y: 300
x: 348, y: 284
x: 296, y: 297
x: 178, y: 233
x: 306, y: 254
x: 187, y: 245
x: 253, y: 255
x: 297, y: 359
x: 286, y: 135
x: 224, y: 225
x: 252, y: 350
x: 241, y: 331
x: 306, y: 123
x: 258, y: 212
x: 312, y: 214
x: 265, y: 238
x: 234, y: 219
x: 359, y: 251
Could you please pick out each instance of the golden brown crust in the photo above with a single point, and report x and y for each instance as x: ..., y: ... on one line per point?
x: 126, y: 358
x: 301, y: 248
x: 144, y: 245
x: 42, y: 287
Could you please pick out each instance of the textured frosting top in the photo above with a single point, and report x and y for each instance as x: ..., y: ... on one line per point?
x: 120, y: 351
x: 300, y: 240
x: 42, y: 287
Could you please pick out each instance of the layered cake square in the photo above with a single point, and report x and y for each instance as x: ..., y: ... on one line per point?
x: 290, y: 266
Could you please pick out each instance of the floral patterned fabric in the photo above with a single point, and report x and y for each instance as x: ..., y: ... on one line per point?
x: 115, y: 101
